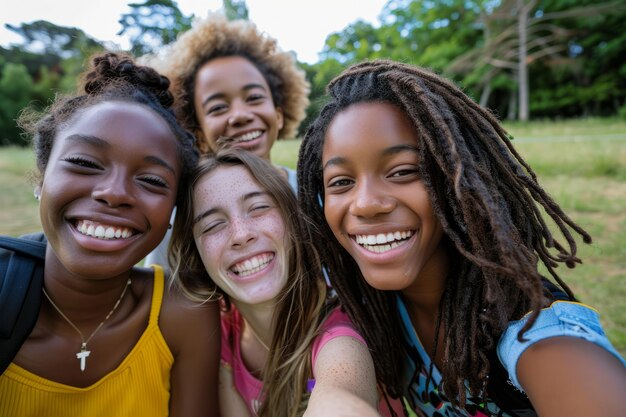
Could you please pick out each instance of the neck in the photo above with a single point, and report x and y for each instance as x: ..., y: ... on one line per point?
x: 260, y: 319
x: 83, y: 299
x: 423, y: 299
x: 425, y: 293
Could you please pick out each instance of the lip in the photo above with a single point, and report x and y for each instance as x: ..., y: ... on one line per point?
x: 256, y: 275
x: 251, y: 143
x: 103, y: 245
x: 390, y: 255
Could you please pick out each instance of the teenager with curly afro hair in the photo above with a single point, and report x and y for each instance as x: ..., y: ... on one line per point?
x: 233, y: 86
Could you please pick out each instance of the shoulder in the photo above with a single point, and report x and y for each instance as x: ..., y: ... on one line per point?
x: 561, y: 319
x: 292, y: 177
x: 337, y: 324
x: 182, y: 321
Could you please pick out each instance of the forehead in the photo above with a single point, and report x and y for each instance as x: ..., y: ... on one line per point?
x: 229, y: 71
x: 225, y: 185
x: 119, y: 118
x: 129, y: 127
x: 368, y: 127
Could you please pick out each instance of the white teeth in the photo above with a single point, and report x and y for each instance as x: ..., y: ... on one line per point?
x: 249, y: 136
x: 383, y: 242
x: 102, y: 231
x: 253, y: 265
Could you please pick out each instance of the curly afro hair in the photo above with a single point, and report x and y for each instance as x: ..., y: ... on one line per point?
x: 215, y: 36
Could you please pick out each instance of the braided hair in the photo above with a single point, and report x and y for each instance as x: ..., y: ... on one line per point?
x: 489, y: 203
x: 110, y: 77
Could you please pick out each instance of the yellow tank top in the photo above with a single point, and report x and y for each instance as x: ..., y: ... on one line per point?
x: 139, y: 386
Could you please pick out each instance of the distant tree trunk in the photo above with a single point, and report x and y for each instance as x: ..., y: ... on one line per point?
x: 512, y: 111
x: 522, y: 65
x: 484, y: 96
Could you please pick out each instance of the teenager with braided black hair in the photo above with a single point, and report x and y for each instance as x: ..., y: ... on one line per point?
x: 109, y: 337
x: 431, y: 226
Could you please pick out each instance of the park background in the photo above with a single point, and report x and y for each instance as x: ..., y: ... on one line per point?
x: 554, y: 71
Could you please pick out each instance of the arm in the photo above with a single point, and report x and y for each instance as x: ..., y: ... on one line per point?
x: 567, y: 376
x: 565, y: 363
x: 345, y: 381
x: 192, y: 332
x: 231, y: 403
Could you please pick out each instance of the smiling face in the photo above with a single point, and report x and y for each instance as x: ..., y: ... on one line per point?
x: 233, y: 100
x: 109, y: 188
x: 240, y: 235
x: 375, y: 203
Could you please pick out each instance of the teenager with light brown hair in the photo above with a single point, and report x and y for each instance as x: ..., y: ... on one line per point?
x: 239, y: 234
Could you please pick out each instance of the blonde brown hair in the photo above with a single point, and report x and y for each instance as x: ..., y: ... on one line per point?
x: 302, y: 305
x: 215, y: 36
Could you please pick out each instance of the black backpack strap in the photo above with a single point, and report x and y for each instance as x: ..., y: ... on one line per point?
x: 21, y: 280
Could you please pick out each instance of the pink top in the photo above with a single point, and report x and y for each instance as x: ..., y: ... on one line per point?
x: 337, y: 324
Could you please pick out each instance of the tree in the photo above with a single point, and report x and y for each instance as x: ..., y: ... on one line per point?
x: 153, y: 24
x: 520, y: 33
x: 47, y: 39
x: 235, y: 9
x: 46, y: 62
x: 16, y: 86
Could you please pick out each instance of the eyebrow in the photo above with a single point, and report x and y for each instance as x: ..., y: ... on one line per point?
x: 89, y: 139
x: 102, y: 144
x: 221, y: 95
x: 214, y: 210
x: 392, y: 150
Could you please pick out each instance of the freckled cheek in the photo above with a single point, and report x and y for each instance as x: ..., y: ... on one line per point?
x: 210, y: 248
x: 272, y: 224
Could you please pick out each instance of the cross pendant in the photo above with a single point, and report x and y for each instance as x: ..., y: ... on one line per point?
x: 82, y: 355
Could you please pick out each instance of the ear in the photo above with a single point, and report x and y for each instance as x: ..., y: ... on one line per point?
x: 280, y: 118
x: 37, y: 192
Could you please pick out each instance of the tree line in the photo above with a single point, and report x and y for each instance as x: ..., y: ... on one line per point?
x: 521, y: 58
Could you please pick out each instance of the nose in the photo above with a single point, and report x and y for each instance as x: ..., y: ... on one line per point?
x: 370, y: 200
x: 240, y: 115
x: 114, y: 190
x: 242, y: 232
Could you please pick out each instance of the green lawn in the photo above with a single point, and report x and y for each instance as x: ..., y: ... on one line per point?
x: 582, y: 164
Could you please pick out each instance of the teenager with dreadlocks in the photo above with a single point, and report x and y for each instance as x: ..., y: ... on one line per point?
x: 233, y: 87
x: 432, y: 229
x: 286, y: 346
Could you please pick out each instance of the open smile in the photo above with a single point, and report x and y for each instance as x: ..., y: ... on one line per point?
x: 252, y: 265
x: 103, y: 231
x: 383, y: 242
x: 247, y: 137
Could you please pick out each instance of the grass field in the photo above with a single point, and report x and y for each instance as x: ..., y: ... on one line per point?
x: 582, y: 164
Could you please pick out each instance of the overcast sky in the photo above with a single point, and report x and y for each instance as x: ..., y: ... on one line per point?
x: 299, y: 25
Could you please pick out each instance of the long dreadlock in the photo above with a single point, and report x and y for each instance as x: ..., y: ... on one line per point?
x: 488, y: 201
